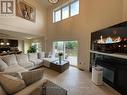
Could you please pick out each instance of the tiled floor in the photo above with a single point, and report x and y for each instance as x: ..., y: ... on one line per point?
x: 78, y: 82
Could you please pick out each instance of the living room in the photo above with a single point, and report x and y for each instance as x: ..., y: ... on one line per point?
x: 47, y: 22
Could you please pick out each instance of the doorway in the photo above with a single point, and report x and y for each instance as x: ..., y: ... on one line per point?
x: 69, y: 50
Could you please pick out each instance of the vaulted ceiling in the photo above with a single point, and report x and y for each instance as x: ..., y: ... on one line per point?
x: 47, y: 4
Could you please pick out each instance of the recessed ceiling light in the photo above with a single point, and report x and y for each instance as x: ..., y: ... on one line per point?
x: 1, y: 43
x: 28, y: 38
x: 53, y: 1
x: 7, y: 43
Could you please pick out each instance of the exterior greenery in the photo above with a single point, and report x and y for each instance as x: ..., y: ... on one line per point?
x: 71, y: 45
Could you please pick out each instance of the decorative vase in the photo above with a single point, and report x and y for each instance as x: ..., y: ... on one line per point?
x: 60, y: 59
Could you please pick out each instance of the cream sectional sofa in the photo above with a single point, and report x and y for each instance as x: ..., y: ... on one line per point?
x: 21, y: 63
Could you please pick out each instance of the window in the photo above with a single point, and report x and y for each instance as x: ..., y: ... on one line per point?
x: 37, y: 46
x: 57, y: 16
x: 65, y: 12
x: 75, y: 8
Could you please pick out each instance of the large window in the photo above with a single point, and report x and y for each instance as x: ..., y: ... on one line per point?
x: 66, y: 11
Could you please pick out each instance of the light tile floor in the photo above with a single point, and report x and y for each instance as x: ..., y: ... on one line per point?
x: 78, y: 82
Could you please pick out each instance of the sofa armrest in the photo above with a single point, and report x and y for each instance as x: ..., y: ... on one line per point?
x: 31, y: 88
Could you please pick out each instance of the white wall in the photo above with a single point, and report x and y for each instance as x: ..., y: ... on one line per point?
x: 18, y: 24
x: 27, y: 44
x: 21, y: 45
x: 124, y: 10
x: 94, y: 15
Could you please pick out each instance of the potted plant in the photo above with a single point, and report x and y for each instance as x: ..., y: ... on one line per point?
x: 32, y: 49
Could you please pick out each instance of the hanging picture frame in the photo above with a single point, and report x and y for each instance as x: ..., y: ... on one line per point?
x: 25, y: 10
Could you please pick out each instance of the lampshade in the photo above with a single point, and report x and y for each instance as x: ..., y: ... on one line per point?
x: 53, y: 1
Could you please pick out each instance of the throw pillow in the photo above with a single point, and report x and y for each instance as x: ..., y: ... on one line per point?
x: 15, y: 74
x: 32, y: 76
x: 10, y: 59
x: 3, y: 65
x: 2, y: 92
x: 11, y: 84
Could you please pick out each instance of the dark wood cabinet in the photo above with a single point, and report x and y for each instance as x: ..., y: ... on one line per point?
x: 8, y: 46
x: 13, y: 43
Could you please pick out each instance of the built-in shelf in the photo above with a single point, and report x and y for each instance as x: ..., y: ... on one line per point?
x: 118, y: 55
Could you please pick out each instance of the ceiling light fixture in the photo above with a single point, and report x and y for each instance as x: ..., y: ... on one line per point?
x: 8, y: 44
x: 1, y: 43
x: 53, y: 1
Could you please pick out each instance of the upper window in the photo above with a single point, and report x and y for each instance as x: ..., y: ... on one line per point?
x: 57, y: 15
x: 75, y: 8
x: 66, y: 11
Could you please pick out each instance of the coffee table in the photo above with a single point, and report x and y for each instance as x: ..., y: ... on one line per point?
x: 59, y: 67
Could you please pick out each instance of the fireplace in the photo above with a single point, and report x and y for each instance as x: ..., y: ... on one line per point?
x: 109, y: 49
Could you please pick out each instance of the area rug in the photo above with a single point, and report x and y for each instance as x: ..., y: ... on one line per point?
x: 49, y: 88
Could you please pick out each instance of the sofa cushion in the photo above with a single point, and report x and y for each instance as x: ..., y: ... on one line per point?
x: 37, y: 62
x: 41, y: 55
x: 10, y: 59
x: 32, y: 76
x: 2, y: 92
x: 11, y: 84
x: 15, y: 74
x: 22, y: 58
x: 28, y: 65
x: 24, y: 61
x: 33, y: 56
x: 15, y: 68
x: 29, y: 89
x: 3, y: 65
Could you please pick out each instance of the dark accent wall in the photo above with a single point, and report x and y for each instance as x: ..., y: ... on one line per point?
x: 115, y: 69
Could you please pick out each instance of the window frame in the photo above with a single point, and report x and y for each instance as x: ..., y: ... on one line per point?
x: 63, y: 6
x: 55, y: 15
x: 68, y: 12
x: 70, y: 7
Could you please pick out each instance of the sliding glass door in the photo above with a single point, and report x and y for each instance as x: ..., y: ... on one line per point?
x: 68, y: 48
